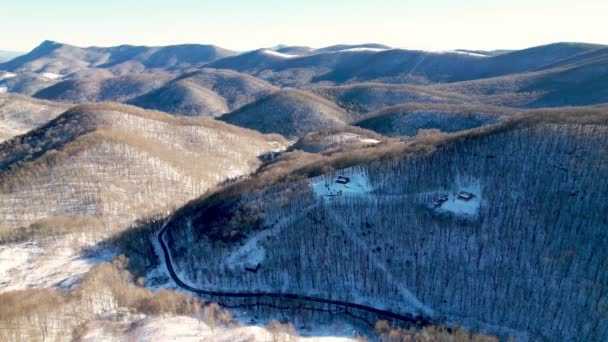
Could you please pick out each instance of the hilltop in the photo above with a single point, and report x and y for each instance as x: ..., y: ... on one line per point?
x: 290, y: 112
x: 205, y: 92
x: 409, y: 119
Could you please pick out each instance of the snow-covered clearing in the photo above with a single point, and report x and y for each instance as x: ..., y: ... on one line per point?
x: 249, y: 255
x: 459, y: 206
x: 51, y: 75
x: 58, y: 264
x: 279, y: 54
x: 348, y: 182
x: 186, y: 329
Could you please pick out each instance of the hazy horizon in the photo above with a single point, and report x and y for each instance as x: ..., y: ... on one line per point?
x: 241, y: 25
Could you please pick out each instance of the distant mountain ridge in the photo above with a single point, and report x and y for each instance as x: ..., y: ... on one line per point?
x: 64, y: 59
x: 206, y: 80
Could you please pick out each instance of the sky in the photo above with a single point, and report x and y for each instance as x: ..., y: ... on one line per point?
x: 249, y: 24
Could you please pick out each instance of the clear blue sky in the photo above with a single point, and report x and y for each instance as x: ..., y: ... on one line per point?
x: 247, y: 24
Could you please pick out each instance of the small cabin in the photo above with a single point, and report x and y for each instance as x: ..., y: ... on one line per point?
x: 465, y: 196
x: 440, y: 200
x: 252, y: 268
x: 343, y: 180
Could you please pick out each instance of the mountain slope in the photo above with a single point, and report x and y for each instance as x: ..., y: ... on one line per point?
x: 119, y: 89
x: 27, y: 83
x: 369, y: 97
x: 409, y: 119
x: 118, y: 163
x: 19, y: 114
x: 574, y: 84
x: 482, y: 227
x: 206, y: 92
x: 291, y: 113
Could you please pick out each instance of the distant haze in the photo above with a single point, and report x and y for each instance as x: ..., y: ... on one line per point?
x: 244, y: 25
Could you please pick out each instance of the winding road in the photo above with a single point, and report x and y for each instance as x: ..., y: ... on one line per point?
x: 411, y: 319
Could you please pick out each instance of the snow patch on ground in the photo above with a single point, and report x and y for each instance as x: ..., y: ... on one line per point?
x: 350, y: 137
x: 279, y: 54
x: 7, y: 75
x: 462, y: 207
x: 455, y: 52
x: 186, y: 329
x: 363, y: 49
x: 29, y: 264
x: 51, y: 75
x: 369, y: 141
x: 250, y: 255
x: 357, y: 184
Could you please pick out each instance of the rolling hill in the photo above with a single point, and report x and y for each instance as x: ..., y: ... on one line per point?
x: 572, y: 84
x: 369, y: 97
x: 117, y: 89
x: 117, y: 163
x: 499, y: 228
x: 292, y: 113
x: 205, y: 92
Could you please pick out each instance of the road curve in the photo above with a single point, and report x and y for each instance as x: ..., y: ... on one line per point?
x: 419, y: 320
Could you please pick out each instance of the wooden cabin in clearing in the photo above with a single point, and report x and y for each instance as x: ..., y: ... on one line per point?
x: 343, y: 180
x: 465, y: 196
x: 440, y: 200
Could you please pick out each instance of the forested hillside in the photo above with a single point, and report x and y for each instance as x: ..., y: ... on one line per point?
x: 118, y: 163
x: 410, y: 118
x: 499, y: 229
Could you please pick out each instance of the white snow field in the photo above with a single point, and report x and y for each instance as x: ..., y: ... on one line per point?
x: 354, y: 183
x: 188, y: 329
x: 458, y: 206
x: 363, y: 49
x: 350, y: 137
x: 31, y: 265
x: 279, y: 54
x: 7, y: 75
x: 51, y: 75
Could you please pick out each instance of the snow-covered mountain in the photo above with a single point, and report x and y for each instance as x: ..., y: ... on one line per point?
x: 398, y: 194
